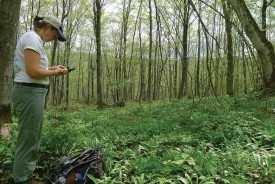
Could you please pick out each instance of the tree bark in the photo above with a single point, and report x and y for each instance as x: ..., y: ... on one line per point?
x: 184, y: 59
x: 244, y: 69
x: 149, y: 87
x: 97, y: 27
x: 264, y: 8
x: 90, y: 73
x: 9, y: 17
x: 142, y: 66
x: 197, y: 77
x: 229, y: 43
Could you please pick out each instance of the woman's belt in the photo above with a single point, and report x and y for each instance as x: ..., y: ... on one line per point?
x: 34, y: 85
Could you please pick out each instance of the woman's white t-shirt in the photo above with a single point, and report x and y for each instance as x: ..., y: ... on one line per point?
x: 29, y: 40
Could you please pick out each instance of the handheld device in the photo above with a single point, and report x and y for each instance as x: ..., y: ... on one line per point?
x: 70, y: 69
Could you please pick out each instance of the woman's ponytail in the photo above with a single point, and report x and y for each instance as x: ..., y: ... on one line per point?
x: 38, y: 22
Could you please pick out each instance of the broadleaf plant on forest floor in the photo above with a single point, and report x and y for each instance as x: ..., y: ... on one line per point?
x: 227, y: 141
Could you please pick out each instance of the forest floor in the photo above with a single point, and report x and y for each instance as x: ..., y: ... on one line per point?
x: 210, y: 140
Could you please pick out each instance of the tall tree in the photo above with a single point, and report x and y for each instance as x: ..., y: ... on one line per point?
x: 142, y: 95
x: 263, y: 46
x: 131, y: 70
x: 229, y: 52
x: 149, y: 87
x: 159, y: 62
x: 9, y: 17
x: 183, y: 55
x: 72, y: 25
x: 90, y: 73
x: 197, y: 77
x: 58, y: 82
x: 121, y: 66
x: 175, y: 82
x: 97, y: 30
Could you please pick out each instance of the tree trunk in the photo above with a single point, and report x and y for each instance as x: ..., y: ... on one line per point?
x: 142, y: 67
x: 131, y: 70
x: 79, y: 71
x: 230, y: 64
x: 175, y: 89
x: 263, y: 46
x: 197, y: 77
x: 244, y: 68
x: 184, y: 59
x: 126, y: 13
x: 149, y: 87
x: 67, y: 54
x: 90, y: 71
x: 264, y: 8
x: 218, y: 60
x: 97, y: 27
x: 9, y: 17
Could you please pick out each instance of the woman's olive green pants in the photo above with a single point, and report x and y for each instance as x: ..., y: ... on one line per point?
x: 29, y: 105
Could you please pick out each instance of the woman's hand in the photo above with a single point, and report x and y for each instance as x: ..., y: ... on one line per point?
x: 59, y: 69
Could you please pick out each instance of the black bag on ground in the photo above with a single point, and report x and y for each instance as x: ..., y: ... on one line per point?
x: 75, y: 170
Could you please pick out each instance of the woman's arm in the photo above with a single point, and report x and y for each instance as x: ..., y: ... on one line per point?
x: 33, y: 69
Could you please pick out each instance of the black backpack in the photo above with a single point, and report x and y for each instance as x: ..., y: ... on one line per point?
x: 75, y: 170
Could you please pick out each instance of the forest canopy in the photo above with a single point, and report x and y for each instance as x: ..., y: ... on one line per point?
x: 155, y: 49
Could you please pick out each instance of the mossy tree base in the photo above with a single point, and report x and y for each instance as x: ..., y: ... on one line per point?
x: 5, y: 114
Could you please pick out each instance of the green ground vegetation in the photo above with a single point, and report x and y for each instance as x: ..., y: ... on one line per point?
x: 210, y: 140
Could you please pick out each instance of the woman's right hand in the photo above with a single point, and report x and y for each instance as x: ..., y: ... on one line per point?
x: 59, y: 69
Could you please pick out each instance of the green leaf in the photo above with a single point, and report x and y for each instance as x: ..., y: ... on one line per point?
x: 95, y: 180
x: 234, y: 180
x: 183, y: 180
x: 178, y: 162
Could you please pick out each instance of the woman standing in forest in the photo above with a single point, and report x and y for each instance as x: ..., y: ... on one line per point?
x: 28, y: 94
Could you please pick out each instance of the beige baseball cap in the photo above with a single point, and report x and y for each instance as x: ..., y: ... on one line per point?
x: 55, y: 22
